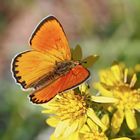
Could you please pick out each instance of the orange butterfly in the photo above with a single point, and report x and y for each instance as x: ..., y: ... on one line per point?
x: 48, y: 67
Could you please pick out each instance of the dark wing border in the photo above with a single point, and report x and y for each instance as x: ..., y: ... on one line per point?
x: 15, y: 72
x: 42, y: 22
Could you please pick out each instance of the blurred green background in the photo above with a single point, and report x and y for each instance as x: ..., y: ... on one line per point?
x: 110, y: 29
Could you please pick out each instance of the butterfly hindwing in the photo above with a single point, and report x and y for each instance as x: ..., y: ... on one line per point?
x: 73, y: 78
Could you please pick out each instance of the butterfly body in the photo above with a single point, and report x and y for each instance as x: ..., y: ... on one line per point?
x: 48, y: 67
x: 61, y: 69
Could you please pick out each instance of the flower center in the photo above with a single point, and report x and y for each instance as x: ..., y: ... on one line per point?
x: 127, y: 97
x: 71, y: 105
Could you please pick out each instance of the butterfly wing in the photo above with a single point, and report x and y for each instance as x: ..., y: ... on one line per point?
x: 73, y: 78
x: 49, y: 45
x: 31, y: 66
x: 49, y: 37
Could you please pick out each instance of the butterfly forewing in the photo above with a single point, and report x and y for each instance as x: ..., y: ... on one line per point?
x: 49, y: 37
x: 49, y: 45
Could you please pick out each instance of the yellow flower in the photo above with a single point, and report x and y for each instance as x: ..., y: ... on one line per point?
x: 73, y: 136
x: 120, y: 92
x: 93, y: 134
x: 70, y: 111
x: 91, y: 131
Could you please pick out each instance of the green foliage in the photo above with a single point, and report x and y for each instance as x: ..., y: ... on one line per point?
x: 77, y: 53
x: 89, y: 61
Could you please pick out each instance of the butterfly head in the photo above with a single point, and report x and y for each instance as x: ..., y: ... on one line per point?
x: 76, y: 63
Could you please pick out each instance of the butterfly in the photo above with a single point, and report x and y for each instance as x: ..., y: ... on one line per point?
x: 48, y: 68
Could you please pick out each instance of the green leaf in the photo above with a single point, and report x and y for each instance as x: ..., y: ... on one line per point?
x: 76, y: 53
x: 90, y: 60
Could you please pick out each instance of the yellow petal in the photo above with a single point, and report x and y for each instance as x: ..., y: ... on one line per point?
x: 45, y: 105
x: 117, y: 120
x: 73, y: 136
x: 104, y: 78
x: 52, y: 121
x: 52, y: 137
x: 123, y: 138
x: 83, y: 87
x: 50, y: 105
x: 71, y: 128
x: 105, y: 120
x: 102, y: 90
x: 92, y: 125
x: 117, y: 72
x: 61, y: 126
x: 94, y: 118
x: 82, y: 121
x: 130, y: 119
x: 125, y: 75
x: 48, y: 111
x: 137, y: 106
x: 102, y: 99
x: 133, y: 80
x: 85, y: 129
x: 110, y: 108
